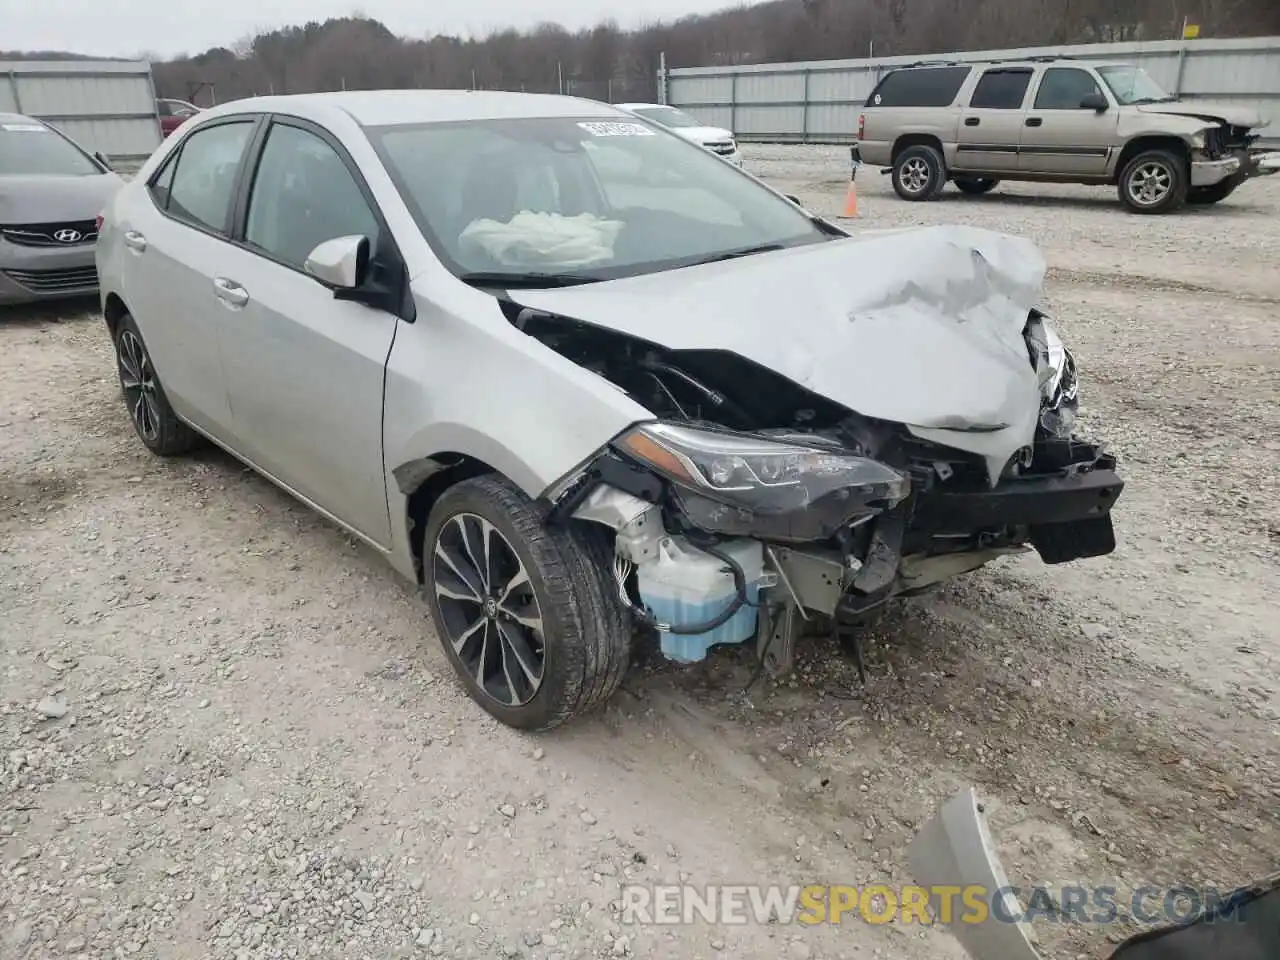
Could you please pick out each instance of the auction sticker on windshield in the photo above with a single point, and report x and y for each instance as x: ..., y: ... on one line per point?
x: 613, y: 128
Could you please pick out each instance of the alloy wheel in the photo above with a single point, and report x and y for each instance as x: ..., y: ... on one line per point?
x: 915, y: 175
x: 138, y: 379
x: 491, y: 617
x: 1150, y: 183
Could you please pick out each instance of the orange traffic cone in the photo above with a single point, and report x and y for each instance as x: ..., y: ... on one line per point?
x: 851, y: 200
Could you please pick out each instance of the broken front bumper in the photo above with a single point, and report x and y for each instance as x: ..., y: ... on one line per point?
x: 1063, y: 503
x: 1206, y: 173
x: 1067, y: 518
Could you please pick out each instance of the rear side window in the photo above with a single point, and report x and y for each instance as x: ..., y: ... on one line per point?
x: 919, y: 87
x: 200, y: 189
x: 1001, y: 90
x: 163, y: 181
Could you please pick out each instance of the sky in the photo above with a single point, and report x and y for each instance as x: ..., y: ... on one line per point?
x: 125, y: 28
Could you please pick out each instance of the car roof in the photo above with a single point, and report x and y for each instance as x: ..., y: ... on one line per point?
x: 376, y: 108
x: 1014, y: 63
x: 647, y: 106
x: 18, y: 118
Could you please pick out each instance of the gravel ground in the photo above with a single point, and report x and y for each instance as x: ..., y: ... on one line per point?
x: 226, y: 730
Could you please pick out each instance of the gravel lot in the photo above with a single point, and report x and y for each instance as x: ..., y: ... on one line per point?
x: 226, y: 730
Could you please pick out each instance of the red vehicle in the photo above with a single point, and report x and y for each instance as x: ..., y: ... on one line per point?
x: 173, y: 112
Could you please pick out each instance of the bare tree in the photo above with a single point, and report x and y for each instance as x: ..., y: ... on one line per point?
x: 360, y: 53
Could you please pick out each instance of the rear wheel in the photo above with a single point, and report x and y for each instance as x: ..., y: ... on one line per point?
x: 527, y: 614
x: 153, y: 418
x: 919, y: 173
x: 1155, y: 181
x: 975, y: 186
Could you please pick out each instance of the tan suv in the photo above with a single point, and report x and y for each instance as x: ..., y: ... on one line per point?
x: 1055, y: 120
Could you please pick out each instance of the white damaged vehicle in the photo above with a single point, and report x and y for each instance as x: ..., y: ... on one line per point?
x: 580, y: 380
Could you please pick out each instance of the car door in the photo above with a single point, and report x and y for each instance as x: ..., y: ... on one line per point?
x: 991, y: 123
x: 305, y: 369
x: 1061, y: 135
x: 176, y: 235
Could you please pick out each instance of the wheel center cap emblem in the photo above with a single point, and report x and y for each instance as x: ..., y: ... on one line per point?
x: 490, y: 607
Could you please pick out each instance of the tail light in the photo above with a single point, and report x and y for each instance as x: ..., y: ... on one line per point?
x: 862, y: 125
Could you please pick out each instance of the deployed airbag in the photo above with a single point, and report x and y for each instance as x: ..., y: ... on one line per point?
x: 542, y: 241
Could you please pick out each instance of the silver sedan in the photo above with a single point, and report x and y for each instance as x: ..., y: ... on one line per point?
x: 582, y: 380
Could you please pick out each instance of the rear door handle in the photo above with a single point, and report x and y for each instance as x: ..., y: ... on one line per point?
x: 971, y: 121
x: 230, y: 292
x: 1034, y: 121
x: 135, y: 241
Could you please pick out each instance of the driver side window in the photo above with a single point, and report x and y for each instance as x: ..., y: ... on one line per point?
x: 302, y: 195
x: 1063, y: 88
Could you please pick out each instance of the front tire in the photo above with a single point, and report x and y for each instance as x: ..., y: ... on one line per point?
x: 1155, y: 181
x: 157, y: 426
x: 919, y: 173
x: 1202, y: 196
x: 975, y: 186
x: 528, y: 614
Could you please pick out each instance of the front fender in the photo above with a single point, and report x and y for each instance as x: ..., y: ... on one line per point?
x: 440, y: 445
x: 1139, y: 125
x: 462, y: 380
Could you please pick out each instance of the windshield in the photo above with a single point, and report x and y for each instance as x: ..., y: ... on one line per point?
x: 28, y: 148
x: 588, y: 198
x: 1133, y: 85
x: 667, y: 116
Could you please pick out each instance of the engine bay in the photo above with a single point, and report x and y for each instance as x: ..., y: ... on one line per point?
x: 682, y: 557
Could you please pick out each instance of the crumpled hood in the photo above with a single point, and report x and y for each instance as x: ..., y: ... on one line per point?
x: 921, y: 327
x: 55, y: 199
x: 703, y: 134
x: 1235, y: 115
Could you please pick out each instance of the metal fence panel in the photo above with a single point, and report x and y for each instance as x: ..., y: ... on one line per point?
x: 817, y: 101
x: 104, y: 105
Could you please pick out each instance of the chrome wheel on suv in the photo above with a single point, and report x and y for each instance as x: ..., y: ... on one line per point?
x: 919, y: 173
x: 1153, y: 182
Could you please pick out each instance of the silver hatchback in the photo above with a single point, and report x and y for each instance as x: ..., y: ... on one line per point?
x: 582, y: 380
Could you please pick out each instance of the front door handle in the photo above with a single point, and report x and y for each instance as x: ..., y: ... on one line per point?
x: 230, y: 292
x: 1034, y: 121
x: 971, y: 121
x: 135, y: 241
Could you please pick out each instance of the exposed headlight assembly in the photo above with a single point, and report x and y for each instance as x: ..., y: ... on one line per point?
x: 1056, y: 369
x: 742, y: 485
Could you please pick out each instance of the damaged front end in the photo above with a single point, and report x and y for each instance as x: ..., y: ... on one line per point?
x: 753, y: 508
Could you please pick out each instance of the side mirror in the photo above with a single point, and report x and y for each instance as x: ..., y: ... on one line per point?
x: 1096, y: 102
x: 341, y: 263
x: 102, y: 158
